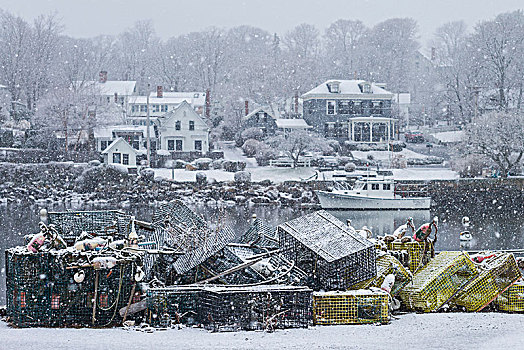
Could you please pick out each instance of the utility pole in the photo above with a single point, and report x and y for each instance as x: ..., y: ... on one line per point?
x: 148, y: 145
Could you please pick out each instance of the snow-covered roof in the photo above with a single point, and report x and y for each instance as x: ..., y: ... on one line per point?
x: 372, y: 119
x: 264, y: 109
x: 325, y: 235
x: 107, y: 131
x: 292, y: 124
x: 115, y: 143
x: 170, y: 98
x: 347, y: 88
x: 110, y: 87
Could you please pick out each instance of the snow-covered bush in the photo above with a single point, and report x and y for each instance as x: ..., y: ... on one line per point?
x: 252, y: 133
x: 147, y: 174
x: 217, y: 164
x: 250, y: 147
x: 350, y: 167
x: 242, y: 177
x: 202, y: 163
x: 93, y: 163
x: 264, y: 154
x: 201, y: 178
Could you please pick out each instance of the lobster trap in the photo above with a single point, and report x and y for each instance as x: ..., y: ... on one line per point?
x: 350, y: 307
x: 327, y: 249
x: 42, y: 291
x: 439, y: 281
x: 70, y: 224
x: 178, y: 304
x: 495, y: 276
x: 255, y: 308
x: 412, y: 255
x: 512, y: 299
x: 387, y: 264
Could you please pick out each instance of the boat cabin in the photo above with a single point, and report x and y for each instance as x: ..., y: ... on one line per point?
x: 374, y: 187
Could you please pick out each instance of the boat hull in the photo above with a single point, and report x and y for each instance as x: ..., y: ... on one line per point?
x: 330, y: 200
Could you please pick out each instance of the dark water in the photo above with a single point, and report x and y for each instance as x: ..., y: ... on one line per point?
x: 492, y: 229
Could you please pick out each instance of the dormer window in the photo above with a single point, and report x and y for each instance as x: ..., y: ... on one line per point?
x: 365, y: 88
x: 333, y: 87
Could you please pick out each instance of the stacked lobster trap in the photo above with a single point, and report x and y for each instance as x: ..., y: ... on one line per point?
x: 61, y: 288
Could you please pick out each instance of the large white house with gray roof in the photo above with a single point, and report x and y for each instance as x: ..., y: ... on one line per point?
x: 355, y: 110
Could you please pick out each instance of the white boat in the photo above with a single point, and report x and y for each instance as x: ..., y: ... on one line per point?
x: 371, y: 193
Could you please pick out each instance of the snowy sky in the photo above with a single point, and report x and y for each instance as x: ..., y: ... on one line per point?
x: 87, y: 18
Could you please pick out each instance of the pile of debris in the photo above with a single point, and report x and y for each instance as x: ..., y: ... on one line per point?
x: 101, y: 268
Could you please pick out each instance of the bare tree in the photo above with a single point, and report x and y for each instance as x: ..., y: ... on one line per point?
x: 498, y: 136
x: 343, y: 44
x: 296, y: 143
x: 498, y: 48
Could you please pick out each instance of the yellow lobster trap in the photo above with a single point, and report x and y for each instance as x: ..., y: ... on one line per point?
x: 438, y: 281
x: 512, y: 300
x: 387, y: 264
x: 415, y: 251
x: 495, y: 276
x: 350, y: 307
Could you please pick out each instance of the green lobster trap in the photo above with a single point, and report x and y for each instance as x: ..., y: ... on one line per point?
x: 387, y: 264
x: 415, y: 257
x: 178, y: 304
x: 70, y: 224
x: 495, y: 276
x: 350, y: 307
x: 437, y: 282
x: 42, y: 291
x: 512, y: 299
x: 255, y: 307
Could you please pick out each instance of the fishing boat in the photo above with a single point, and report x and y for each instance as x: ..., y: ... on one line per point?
x: 373, y: 193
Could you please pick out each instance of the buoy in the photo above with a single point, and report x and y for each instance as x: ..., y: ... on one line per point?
x: 466, y: 236
x: 79, y: 276
x: 139, y: 275
x: 402, y: 229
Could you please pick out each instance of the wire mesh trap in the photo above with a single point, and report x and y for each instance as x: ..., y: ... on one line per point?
x: 178, y: 304
x: 43, y: 290
x: 512, y: 299
x: 495, y: 276
x: 387, y: 264
x: 437, y: 282
x: 350, y: 307
x: 415, y: 257
x: 327, y: 249
x: 255, y: 308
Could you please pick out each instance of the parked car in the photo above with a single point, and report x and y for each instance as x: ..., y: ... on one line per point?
x: 414, y: 137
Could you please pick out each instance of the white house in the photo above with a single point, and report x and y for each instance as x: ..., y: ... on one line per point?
x: 161, y: 103
x: 120, y: 152
x: 110, y: 91
x: 183, y: 130
x: 135, y: 135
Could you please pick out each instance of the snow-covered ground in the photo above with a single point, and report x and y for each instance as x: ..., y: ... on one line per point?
x: 476, y: 331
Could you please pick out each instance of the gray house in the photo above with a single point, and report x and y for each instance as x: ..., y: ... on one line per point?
x: 354, y: 110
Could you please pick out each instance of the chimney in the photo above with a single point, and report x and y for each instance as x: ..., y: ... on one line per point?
x: 159, y: 91
x: 116, y: 97
x: 246, y: 107
x: 102, y: 76
x: 296, y: 102
x: 208, y: 103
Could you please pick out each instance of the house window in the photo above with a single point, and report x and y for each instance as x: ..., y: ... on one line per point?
x: 178, y: 125
x: 170, y: 145
x: 344, y: 107
x: 125, y: 159
x: 143, y: 108
x: 133, y: 109
x: 163, y: 108
x: 375, y: 187
x: 330, y: 108
x: 198, y: 145
x: 55, y: 301
x: 386, y: 187
x: 116, y: 158
x: 191, y: 125
x: 178, y: 145
x: 103, y: 145
x: 156, y: 108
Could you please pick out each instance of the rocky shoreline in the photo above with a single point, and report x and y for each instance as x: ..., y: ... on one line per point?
x: 96, y: 184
